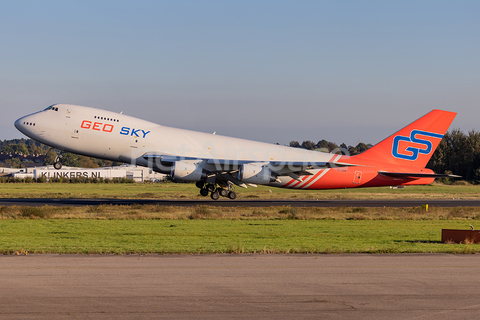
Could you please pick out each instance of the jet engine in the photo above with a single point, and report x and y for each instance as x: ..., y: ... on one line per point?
x: 187, y: 171
x: 251, y: 173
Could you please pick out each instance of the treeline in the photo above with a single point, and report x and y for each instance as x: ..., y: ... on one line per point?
x: 327, y: 146
x: 20, y: 148
x: 23, y: 147
x: 458, y: 153
x: 74, y: 160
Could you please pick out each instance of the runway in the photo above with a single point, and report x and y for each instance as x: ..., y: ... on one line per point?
x: 234, y: 203
x: 420, y: 286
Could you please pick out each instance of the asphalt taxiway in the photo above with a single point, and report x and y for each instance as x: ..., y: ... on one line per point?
x: 241, y: 202
x: 412, y: 286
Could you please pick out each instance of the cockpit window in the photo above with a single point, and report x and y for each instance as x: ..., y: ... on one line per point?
x: 51, y: 108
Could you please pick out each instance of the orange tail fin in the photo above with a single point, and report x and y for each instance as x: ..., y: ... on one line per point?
x: 413, y: 145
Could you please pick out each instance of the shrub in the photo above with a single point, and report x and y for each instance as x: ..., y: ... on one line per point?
x: 41, y: 179
x: 200, y: 212
x: 290, y: 212
x: 35, y: 212
x: 28, y: 180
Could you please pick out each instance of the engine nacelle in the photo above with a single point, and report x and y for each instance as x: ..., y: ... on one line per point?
x: 251, y: 173
x: 187, y: 171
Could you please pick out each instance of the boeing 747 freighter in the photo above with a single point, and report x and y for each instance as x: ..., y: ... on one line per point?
x: 218, y: 163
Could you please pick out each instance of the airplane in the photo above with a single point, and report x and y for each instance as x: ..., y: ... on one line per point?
x: 218, y: 163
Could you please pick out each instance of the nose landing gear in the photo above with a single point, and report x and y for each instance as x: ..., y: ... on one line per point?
x: 57, y: 164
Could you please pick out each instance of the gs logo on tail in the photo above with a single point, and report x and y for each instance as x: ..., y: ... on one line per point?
x: 413, y: 152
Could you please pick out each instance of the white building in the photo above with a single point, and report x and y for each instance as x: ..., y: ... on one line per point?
x: 138, y: 174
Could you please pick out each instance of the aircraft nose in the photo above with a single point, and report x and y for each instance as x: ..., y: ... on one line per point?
x: 19, y: 123
x: 22, y: 124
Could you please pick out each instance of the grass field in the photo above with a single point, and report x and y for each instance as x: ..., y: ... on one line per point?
x: 226, y: 236
x: 203, y: 229
x: 189, y: 191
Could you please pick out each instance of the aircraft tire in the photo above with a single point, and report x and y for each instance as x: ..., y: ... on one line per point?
x: 204, y: 192
x: 215, y: 195
x: 210, y: 187
x: 232, y: 195
x: 57, y: 165
x: 199, y: 184
x: 223, y: 192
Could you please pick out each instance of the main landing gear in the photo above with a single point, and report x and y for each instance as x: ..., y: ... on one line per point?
x: 215, y: 191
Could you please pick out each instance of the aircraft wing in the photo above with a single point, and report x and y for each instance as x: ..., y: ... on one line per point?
x: 172, y: 159
x: 406, y: 175
x: 229, y: 164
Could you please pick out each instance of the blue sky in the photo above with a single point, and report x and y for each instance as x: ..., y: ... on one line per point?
x: 274, y: 71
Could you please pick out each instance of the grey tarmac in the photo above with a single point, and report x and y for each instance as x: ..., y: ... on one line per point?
x: 295, y: 286
x: 234, y: 203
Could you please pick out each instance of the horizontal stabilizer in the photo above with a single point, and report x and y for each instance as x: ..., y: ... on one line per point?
x: 294, y: 176
x: 313, y: 164
x: 406, y: 175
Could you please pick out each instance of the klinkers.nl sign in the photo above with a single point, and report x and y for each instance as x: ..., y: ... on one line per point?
x: 69, y: 174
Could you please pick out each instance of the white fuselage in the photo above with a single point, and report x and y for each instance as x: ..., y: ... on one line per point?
x: 118, y: 137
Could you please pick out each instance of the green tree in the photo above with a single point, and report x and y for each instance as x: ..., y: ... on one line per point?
x: 19, y: 148
x: 309, y: 145
x: 69, y: 159
x: 295, y: 144
x: 322, y: 144
x: 352, y: 150
x: 8, y: 149
x: 14, y: 162
x: 105, y: 163
x: 459, y: 153
x: 50, y: 157
x: 476, y: 177
x: 87, y: 162
x: 332, y: 146
x: 34, y: 149
x: 361, y: 147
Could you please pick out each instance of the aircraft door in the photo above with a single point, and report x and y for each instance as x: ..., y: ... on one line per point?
x: 357, y: 177
x: 134, y: 143
x: 75, y: 133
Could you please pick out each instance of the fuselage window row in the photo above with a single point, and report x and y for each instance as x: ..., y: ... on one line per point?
x: 108, y: 119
